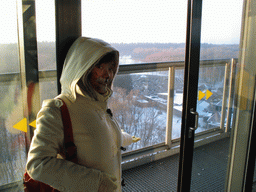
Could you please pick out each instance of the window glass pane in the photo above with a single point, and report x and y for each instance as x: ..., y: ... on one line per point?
x: 141, y: 110
x: 143, y: 31
x: 177, y: 103
x: 221, y: 25
x: 45, y: 23
x: 46, y: 55
x: 45, y: 20
x: 211, y: 84
x: 12, y: 141
x: 220, y: 38
x: 48, y: 87
x: 8, y: 38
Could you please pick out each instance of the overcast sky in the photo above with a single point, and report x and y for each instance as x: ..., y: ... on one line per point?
x: 134, y: 21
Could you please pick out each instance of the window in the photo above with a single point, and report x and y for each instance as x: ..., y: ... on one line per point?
x: 12, y: 141
x: 220, y: 36
x: 139, y: 103
x: 45, y: 22
x: 143, y: 32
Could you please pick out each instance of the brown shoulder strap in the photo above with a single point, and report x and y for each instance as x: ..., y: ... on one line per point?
x: 70, y: 148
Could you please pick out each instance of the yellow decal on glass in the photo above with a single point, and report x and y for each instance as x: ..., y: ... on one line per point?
x: 21, y: 125
x: 208, y: 94
x: 200, y: 95
x: 33, y: 124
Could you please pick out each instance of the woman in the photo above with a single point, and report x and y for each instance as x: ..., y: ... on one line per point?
x: 86, y: 83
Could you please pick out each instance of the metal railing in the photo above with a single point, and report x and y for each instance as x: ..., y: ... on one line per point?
x: 170, y: 146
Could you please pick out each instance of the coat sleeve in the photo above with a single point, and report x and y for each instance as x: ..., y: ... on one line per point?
x: 43, y: 164
x: 126, y: 139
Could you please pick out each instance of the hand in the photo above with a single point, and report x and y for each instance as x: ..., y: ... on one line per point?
x: 107, y: 183
x: 135, y: 139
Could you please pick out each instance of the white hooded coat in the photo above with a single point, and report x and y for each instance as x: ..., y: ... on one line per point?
x: 97, y: 135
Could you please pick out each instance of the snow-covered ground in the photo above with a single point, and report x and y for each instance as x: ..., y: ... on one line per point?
x: 202, y: 107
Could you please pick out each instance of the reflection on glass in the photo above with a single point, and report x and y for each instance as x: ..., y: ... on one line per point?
x: 48, y: 88
x: 46, y: 56
x: 45, y: 23
x: 12, y: 141
x: 9, y: 61
x: 45, y: 18
x: 8, y: 37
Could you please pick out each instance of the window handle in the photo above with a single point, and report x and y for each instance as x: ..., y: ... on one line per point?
x: 191, y: 129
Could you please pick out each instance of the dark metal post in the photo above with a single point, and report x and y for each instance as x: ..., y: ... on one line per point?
x: 190, y: 93
x: 68, y: 29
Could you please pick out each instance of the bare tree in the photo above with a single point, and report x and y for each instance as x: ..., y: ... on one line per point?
x: 140, y: 119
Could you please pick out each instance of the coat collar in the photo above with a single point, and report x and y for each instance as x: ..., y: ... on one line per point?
x: 102, y: 99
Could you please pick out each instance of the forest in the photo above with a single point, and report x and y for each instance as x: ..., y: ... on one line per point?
x: 138, y: 52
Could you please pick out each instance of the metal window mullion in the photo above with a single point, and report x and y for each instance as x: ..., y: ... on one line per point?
x: 170, y: 102
x: 230, y: 94
x: 22, y: 66
x: 28, y: 62
x: 68, y: 29
x: 123, y: 69
x: 224, y: 97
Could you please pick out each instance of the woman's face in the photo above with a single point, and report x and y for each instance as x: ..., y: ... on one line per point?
x: 102, y: 76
